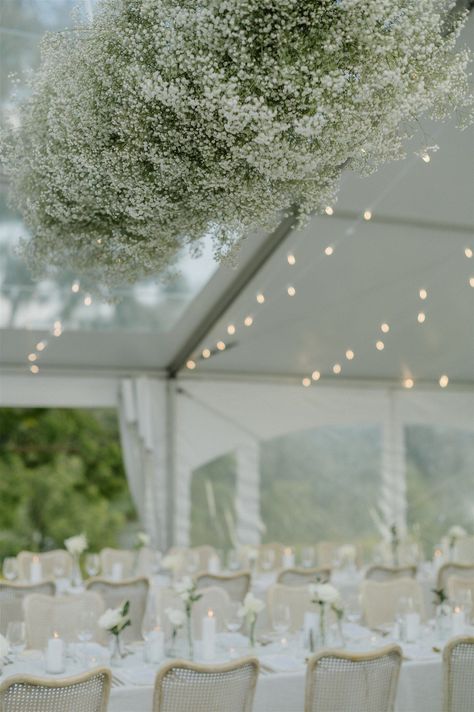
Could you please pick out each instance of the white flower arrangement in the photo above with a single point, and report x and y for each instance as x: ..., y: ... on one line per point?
x: 172, y: 562
x: 249, y: 610
x: 143, y: 539
x: 161, y: 121
x: 457, y: 532
x: 176, y: 617
x: 115, y: 620
x: 76, y: 545
x: 323, y: 593
x: 4, y: 647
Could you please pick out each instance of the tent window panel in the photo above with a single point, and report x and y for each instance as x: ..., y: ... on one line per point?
x: 213, y: 489
x: 440, y: 481
x: 321, y: 484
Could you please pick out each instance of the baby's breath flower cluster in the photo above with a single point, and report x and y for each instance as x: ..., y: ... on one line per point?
x: 163, y: 121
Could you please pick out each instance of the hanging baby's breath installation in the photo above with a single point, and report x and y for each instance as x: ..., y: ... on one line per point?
x: 162, y: 121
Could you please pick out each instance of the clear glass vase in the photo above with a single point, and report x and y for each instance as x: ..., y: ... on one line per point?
x: 76, y: 573
x: 118, y: 651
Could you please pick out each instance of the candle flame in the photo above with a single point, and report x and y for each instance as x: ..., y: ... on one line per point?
x: 210, y: 613
x: 55, y: 635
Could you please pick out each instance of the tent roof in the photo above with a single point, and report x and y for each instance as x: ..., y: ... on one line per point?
x: 422, y: 223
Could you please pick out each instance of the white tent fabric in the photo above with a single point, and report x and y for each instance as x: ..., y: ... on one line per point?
x: 212, y: 418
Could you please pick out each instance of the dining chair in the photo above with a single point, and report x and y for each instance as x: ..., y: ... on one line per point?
x: 12, y: 596
x: 54, y: 564
x: 273, y: 549
x: 463, y: 549
x: 213, y: 598
x: 147, y: 561
x: 300, y: 576
x: 452, y: 569
x: 297, y: 598
x: 338, y: 681
x: 380, y: 600
x: 326, y: 552
x: 118, y: 563
x: 182, y: 686
x: 115, y: 593
x: 204, y: 553
x: 458, y: 588
x: 45, y: 614
x: 88, y: 692
x: 458, y: 680
x: 388, y: 573
x: 236, y: 585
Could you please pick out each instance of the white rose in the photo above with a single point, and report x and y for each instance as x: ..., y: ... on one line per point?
x: 76, y: 544
x: 325, y: 593
x: 111, y: 618
x: 176, y: 617
x: 143, y: 539
x: 172, y: 561
x: 4, y: 646
x: 457, y: 532
x: 251, y: 604
x: 184, y: 586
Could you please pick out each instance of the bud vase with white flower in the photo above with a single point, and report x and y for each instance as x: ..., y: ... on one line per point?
x: 114, y: 621
x: 4, y: 650
x: 454, y: 534
x: 177, y: 618
x: 249, y: 610
x: 76, y: 545
x: 187, y: 591
x: 395, y: 545
x: 325, y: 596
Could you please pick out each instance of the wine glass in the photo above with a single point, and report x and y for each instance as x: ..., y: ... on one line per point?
x: 86, y: 626
x: 16, y: 636
x: 307, y: 557
x: 233, y: 562
x: 352, y: 609
x: 281, y: 618
x: 92, y: 564
x: 233, y: 621
x: 10, y: 568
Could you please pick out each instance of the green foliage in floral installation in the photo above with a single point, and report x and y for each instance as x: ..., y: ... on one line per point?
x: 164, y: 120
x: 61, y: 473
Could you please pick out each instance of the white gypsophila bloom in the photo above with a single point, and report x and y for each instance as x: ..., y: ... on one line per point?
x: 176, y: 617
x: 111, y: 618
x: 163, y: 121
x: 251, y: 605
x: 76, y: 544
x: 324, y: 593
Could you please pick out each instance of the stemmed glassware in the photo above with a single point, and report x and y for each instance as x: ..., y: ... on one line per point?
x: 10, y: 568
x: 307, y: 557
x: 233, y: 621
x: 281, y: 618
x: 92, y: 564
x: 16, y: 636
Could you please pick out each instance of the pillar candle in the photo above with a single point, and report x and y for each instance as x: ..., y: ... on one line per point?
x: 36, y: 573
x: 55, y: 654
x: 458, y: 621
x: 155, y: 646
x: 209, y: 636
x: 412, y: 627
x: 117, y: 571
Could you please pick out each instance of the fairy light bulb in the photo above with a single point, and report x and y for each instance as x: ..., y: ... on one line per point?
x: 316, y: 375
x: 421, y: 317
x: 329, y: 250
x: 76, y: 285
x: 206, y: 353
x: 191, y: 364
x: 471, y: 281
x: 380, y: 345
x: 260, y: 298
x: 41, y: 345
x: 408, y: 383
x: 367, y: 215
x: 88, y: 300
x: 291, y: 259
x: 34, y: 368
x: 306, y: 382
x: 349, y: 354
x: 468, y: 252
x: 291, y: 291
x: 248, y: 321
x: 426, y: 157
x: 385, y: 328
x: 423, y: 294
x: 221, y: 345
x: 443, y: 381
x: 231, y: 329
x: 328, y: 210
x: 32, y: 357
x: 337, y: 368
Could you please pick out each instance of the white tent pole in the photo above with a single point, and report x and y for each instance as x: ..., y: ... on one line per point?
x: 247, y: 495
x: 393, y: 502
x: 172, y: 485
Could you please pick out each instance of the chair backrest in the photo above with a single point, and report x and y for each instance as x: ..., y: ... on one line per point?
x: 459, y: 570
x: 297, y: 598
x: 300, y: 577
x: 88, y: 692
x: 336, y: 680
x: 54, y: 564
x: 464, y: 550
x: 147, y: 561
x: 212, y: 598
x: 114, y: 593
x: 458, y: 680
x: 326, y: 551
x: 181, y: 686
x: 276, y: 550
x: 45, y: 614
x: 236, y: 585
x: 458, y: 587
x: 380, y: 599
x: 118, y: 563
x: 388, y: 573
x: 12, y: 596
x: 205, y: 554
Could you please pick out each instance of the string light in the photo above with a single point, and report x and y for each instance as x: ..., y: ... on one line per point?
x: 329, y: 250
x: 99, y: 240
x: 221, y: 345
x: 41, y: 345
x: 368, y: 215
x: 337, y: 368
x: 248, y: 321
x: 260, y: 298
x: 34, y: 368
x: 88, y: 300
x: 32, y: 357
x: 291, y: 291
x: 423, y: 293
x: 231, y: 329
x: 426, y: 157
x: 191, y: 364
x: 421, y: 317
x: 471, y: 281
x: 380, y: 345
x: 315, y: 375
x: 408, y: 383
x: 328, y: 210
x: 57, y: 328
x: 349, y: 354
x: 468, y: 252
x: 206, y: 353
x: 306, y: 382
x: 291, y: 259
x: 443, y: 381
x: 385, y: 327
x: 75, y: 286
